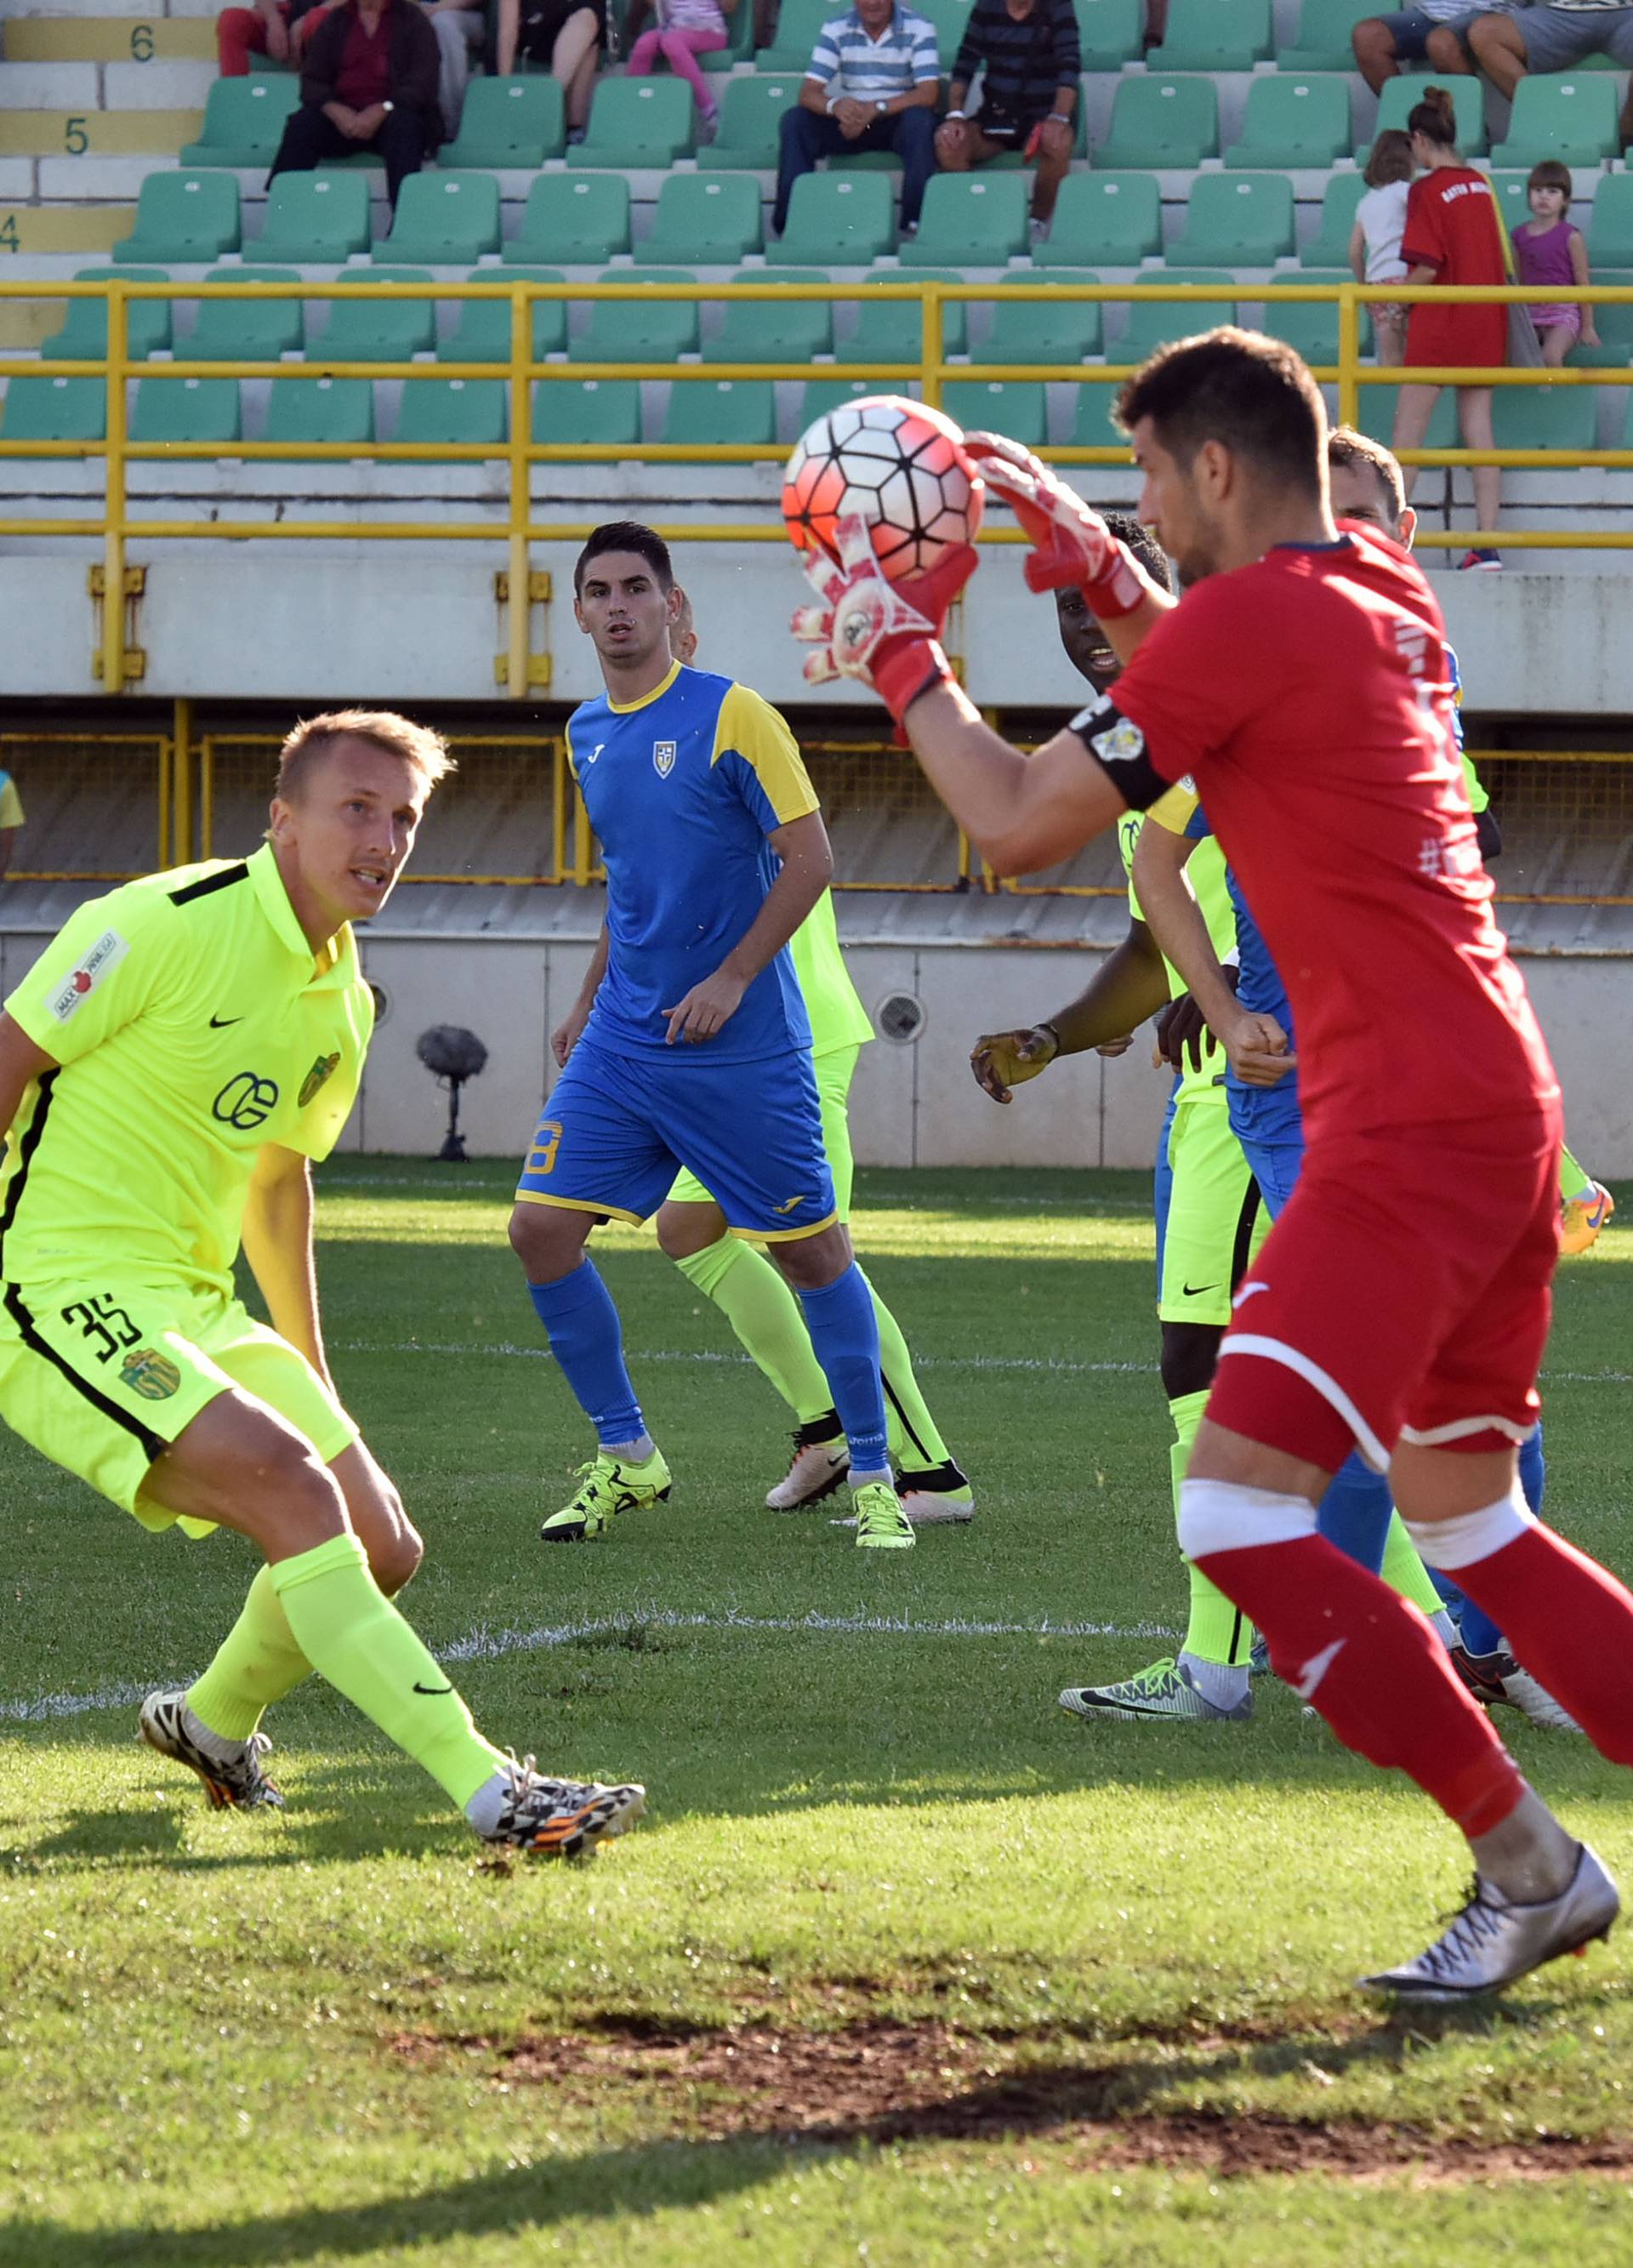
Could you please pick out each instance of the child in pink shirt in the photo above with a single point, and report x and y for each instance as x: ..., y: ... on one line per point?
x: 685, y: 30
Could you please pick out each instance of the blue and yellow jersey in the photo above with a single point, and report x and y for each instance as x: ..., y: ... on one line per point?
x: 1205, y: 873
x: 683, y: 787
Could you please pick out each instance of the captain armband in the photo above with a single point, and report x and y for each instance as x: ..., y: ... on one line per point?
x: 1118, y: 745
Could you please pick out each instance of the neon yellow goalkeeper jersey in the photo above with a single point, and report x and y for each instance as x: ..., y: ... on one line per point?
x: 1205, y: 872
x: 191, y: 1023
x: 838, y: 1020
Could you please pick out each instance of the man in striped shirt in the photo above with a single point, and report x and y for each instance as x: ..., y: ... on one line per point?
x: 872, y: 83
x: 1028, y: 55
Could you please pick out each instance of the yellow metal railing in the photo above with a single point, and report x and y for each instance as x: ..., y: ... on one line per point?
x: 519, y: 530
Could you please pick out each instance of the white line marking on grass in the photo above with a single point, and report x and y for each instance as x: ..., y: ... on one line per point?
x: 712, y: 1355
x: 496, y: 1645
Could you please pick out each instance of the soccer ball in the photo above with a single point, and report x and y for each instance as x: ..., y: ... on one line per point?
x: 901, y: 467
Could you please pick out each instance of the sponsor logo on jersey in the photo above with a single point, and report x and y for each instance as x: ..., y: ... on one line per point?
x: 246, y: 1101
x: 663, y: 757
x: 150, y: 1374
x: 322, y: 1070
x: 108, y: 950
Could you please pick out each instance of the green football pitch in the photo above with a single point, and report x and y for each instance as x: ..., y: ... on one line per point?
x: 905, y: 1965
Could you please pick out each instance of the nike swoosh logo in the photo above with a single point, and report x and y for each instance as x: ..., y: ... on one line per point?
x: 433, y: 1690
x: 220, y: 1023
x: 1196, y: 1291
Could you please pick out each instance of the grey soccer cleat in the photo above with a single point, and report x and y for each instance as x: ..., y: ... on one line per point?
x: 562, y: 1818
x: 1165, y: 1690
x: 820, y: 1462
x: 1496, y: 1679
x: 1494, y: 1942
x: 234, y: 1783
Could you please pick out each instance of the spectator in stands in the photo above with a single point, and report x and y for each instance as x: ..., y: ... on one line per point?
x: 1547, y: 250
x: 277, y: 28
x: 1553, y: 37
x: 10, y: 820
x: 565, y: 37
x: 872, y: 83
x: 685, y: 30
x: 369, y: 82
x: 1375, y: 240
x: 1452, y: 235
x: 1027, y: 53
x: 461, y: 29
x: 1435, y: 31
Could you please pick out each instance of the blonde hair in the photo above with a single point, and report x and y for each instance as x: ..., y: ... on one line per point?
x: 1391, y: 158
x: 422, y: 750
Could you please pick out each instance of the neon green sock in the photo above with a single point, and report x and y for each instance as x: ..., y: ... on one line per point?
x: 1572, y: 1180
x: 353, y: 1636
x: 915, y: 1443
x: 256, y: 1664
x: 1404, y: 1570
x: 1217, y: 1631
x: 755, y: 1300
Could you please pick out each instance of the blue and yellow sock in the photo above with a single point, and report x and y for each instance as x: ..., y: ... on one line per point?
x: 582, y: 1326
x: 844, y: 1334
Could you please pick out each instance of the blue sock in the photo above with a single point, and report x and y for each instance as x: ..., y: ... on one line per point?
x: 581, y: 1324
x: 1476, y: 1631
x: 1355, y: 1512
x: 844, y: 1337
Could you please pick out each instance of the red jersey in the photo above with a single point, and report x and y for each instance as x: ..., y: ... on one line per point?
x: 1309, y: 696
x: 1452, y: 227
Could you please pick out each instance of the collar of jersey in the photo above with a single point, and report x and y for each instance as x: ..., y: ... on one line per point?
x: 1342, y: 542
x: 273, y: 900
x: 629, y: 708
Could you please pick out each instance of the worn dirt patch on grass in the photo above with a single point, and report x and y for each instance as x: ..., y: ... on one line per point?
x: 881, y: 2082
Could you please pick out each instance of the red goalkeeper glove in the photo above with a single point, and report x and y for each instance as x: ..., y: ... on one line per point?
x: 1071, y: 544
x: 878, y: 633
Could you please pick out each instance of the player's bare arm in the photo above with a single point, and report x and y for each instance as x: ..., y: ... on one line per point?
x: 569, y: 1031
x: 20, y: 1061
x: 1255, y: 1044
x: 1130, y: 986
x: 277, y: 1240
x: 807, y: 869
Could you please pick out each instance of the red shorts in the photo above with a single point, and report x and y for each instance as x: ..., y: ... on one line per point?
x: 1402, y: 1295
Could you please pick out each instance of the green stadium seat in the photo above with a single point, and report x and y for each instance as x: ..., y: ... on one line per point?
x: 83, y: 335
x: 1153, y: 322
x: 1311, y: 326
x: 443, y: 409
x: 1376, y: 416
x: 1610, y: 228
x: 739, y: 39
x: 445, y: 219
x: 798, y: 22
x: 1568, y: 115
x: 704, y: 220
x: 382, y: 330
x: 327, y: 410
x: 187, y: 409
x: 1063, y: 330
x: 580, y: 223
x: 822, y: 394
x: 751, y: 116
x: 1329, y: 246
x: 1615, y: 322
x: 1563, y: 418
x: 1236, y: 220
x: 638, y: 330
x: 1294, y: 118
x: 315, y: 220
x: 482, y: 332
x: 893, y: 330
x: 1213, y: 35
x: 1114, y: 219
x: 1092, y: 423
x: 1018, y: 406
x: 1467, y: 105
x: 707, y: 412
x: 637, y: 123
x: 838, y: 220
x: 55, y: 409
x: 1324, y: 40
x: 774, y: 330
x: 183, y: 217
x: 1171, y: 124
x: 246, y: 331
x: 949, y: 17
x: 516, y: 123
x: 1512, y: 202
x: 1110, y: 33
x: 594, y: 413
x: 974, y: 219
x: 244, y: 121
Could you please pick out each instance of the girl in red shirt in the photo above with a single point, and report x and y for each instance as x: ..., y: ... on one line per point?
x: 1452, y: 235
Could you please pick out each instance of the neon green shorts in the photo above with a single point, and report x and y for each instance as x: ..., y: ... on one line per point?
x: 1216, y: 1223
x: 834, y: 1073
x: 101, y: 1378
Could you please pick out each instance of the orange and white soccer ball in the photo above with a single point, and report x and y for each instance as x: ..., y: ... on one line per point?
x: 898, y: 465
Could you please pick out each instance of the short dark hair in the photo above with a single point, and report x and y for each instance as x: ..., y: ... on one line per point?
x: 1347, y: 447
x: 1139, y: 540
x: 1253, y: 393
x: 1434, y: 116
x: 1552, y: 174
x: 626, y: 535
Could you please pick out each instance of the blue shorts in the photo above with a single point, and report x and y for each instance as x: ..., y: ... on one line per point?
x: 616, y: 1127
x: 1409, y: 29
x: 1274, y: 1168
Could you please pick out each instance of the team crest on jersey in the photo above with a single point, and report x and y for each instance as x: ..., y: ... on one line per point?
x: 663, y: 757
x: 108, y: 950
x: 1119, y: 743
x: 322, y: 1070
x: 150, y: 1374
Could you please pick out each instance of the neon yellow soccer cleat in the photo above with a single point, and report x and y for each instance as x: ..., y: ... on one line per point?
x: 1582, y: 1217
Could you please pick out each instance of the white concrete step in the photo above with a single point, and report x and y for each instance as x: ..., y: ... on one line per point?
x: 50, y: 87
x: 97, y: 180
x: 158, y: 85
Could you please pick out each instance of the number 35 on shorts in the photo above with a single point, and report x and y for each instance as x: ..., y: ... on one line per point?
x: 547, y: 1141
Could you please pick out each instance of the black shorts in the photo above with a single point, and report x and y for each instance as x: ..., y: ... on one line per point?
x: 543, y: 22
